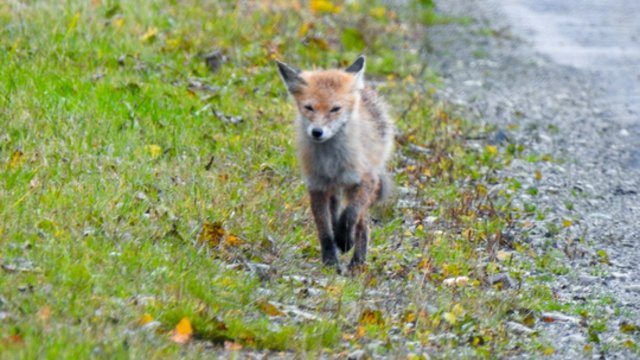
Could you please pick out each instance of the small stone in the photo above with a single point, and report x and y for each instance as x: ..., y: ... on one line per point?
x: 357, y: 355
x: 504, y: 279
x: 620, y: 276
x: 558, y: 317
x: 588, y: 279
x: 576, y: 338
x: 499, y: 137
x: 214, y: 60
x: 519, y: 328
x: 633, y: 288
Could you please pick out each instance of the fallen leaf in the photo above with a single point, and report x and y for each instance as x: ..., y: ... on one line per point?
x: 502, y: 255
x: 145, y: 319
x: 450, y: 318
x: 12, y: 340
x: 491, y: 149
x: 232, y: 346
x: 234, y: 241
x: 269, y: 309
x: 629, y: 328
x: 371, y: 317
x: 150, y: 34
x: 378, y: 12
x: 17, y: 158
x: 182, y: 332
x: 304, y: 28
x: 153, y: 150
x: 537, y: 175
x: 548, y: 351
x: 211, y: 233
x: 324, y: 6
x: 567, y: 223
x: 44, y: 313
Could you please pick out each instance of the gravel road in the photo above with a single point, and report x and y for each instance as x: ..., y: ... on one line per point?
x: 568, y: 74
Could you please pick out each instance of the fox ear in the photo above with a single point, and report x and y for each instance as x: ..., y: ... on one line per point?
x: 357, y: 69
x: 291, y: 78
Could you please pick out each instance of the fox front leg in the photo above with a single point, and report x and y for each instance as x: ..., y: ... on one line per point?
x: 360, y: 199
x: 320, y: 207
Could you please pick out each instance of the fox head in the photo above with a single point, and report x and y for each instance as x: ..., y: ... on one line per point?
x: 326, y: 99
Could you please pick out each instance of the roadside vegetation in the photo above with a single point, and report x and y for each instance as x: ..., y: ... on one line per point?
x: 151, y: 205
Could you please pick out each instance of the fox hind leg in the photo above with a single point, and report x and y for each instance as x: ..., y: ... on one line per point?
x: 361, y: 243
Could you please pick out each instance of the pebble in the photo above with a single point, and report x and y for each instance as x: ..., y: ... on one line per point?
x: 357, y: 355
x: 519, y: 328
x: 556, y: 316
x: 588, y: 279
x: 502, y: 278
x: 633, y: 288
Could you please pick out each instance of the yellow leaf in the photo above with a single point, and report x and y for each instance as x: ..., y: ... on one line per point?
x: 182, y: 332
x: 425, y: 265
x: 450, y: 318
x: 150, y: 34
x: 537, y: 175
x: 145, y: 319
x: 117, y: 22
x: 567, y: 223
x: 378, y: 12
x: 304, y: 28
x: 173, y: 43
x: 324, y: 6
x: 269, y: 309
x: 73, y: 23
x: 457, y: 310
x: 491, y: 149
x: 548, y: 351
x: 360, y: 332
x: 153, y: 150
x: 17, y: 158
x: 234, y: 241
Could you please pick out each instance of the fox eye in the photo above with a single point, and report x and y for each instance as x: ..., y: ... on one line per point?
x: 335, y: 109
x: 309, y: 107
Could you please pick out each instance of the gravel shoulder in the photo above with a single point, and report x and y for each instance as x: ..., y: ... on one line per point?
x: 493, y: 73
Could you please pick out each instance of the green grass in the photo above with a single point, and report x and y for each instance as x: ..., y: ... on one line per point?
x: 126, y: 190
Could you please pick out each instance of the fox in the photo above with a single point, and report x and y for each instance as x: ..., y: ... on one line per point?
x: 345, y: 139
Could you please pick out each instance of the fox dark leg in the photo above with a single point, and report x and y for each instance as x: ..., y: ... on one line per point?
x: 320, y: 203
x: 362, y: 239
x: 360, y: 197
x: 335, y: 207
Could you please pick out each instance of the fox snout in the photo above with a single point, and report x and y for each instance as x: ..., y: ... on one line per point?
x: 319, y: 133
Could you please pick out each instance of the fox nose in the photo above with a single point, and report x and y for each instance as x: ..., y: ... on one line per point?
x: 316, y: 133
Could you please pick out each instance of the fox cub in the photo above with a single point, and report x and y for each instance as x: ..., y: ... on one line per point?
x: 345, y: 138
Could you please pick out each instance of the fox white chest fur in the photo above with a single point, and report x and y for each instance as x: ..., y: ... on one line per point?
x: 330, y: 164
